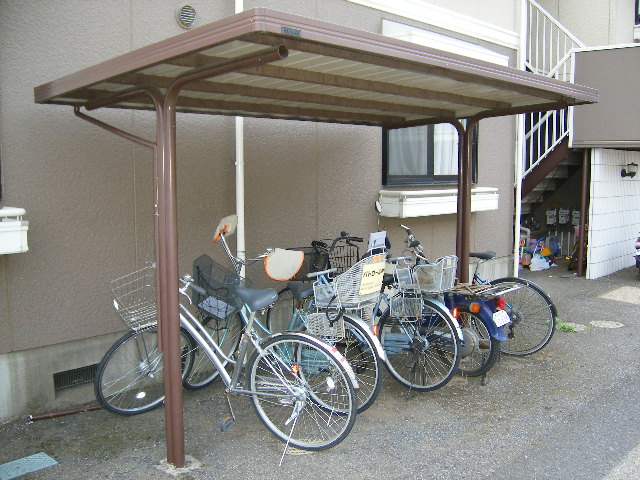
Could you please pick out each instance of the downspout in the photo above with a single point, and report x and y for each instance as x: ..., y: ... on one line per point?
x: 240, y: 232
x: 519, y: 154
x: 584, y: 204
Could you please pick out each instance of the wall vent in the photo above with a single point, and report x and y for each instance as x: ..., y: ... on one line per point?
x: 186, y: 16
x: 74, y: 378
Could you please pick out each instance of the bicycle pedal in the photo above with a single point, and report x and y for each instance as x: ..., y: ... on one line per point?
x: 226, y: 424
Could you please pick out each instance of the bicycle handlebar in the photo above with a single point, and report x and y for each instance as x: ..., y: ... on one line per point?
x: 322, y: 272
x: 398, y: 259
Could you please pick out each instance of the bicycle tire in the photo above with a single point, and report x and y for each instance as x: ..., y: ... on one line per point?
x: 226, y: 333
x: 533, y: 317
x: 324, y: 408
x: 358, y: 348
x: 129, y: 379
x: 422, y: 353
x: 486, y: 349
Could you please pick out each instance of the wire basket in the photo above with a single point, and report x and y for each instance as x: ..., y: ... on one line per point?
x: 219, y: 284
x: 134, y: 298
x: 405, y: 278
x: 436, y: 277
x: 359, y: 286
x: 406, y: 305
x: 343, y: 257
x: 318, y: 324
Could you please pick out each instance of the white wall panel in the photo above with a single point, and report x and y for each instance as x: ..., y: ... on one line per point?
x: 614, y: 221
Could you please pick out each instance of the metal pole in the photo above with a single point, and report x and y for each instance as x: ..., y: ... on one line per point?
x: 459, y: 226
x: 167, y: 270
x: 586, y: 165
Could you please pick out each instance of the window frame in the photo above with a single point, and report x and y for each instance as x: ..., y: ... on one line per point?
x: 428, y: 179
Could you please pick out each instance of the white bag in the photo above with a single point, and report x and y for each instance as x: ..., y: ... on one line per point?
x: 538, y: 262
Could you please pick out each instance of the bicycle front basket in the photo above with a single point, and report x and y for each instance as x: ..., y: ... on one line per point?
x: 219, y: 284
x: 437, y: 277
x: 134, y: 298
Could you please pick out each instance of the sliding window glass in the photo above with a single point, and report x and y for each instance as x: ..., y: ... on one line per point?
x: 426, y: 155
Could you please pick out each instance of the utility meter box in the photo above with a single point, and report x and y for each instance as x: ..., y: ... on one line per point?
x: 13, y: 230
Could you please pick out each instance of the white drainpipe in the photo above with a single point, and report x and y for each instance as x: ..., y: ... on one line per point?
x: 524, y: 4
x: 240, y: 235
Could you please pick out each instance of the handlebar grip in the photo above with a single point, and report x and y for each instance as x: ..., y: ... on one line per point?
x: 356, y: 239
x: 322, y: 272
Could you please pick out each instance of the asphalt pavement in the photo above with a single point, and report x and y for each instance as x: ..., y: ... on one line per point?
x: 569, y: 411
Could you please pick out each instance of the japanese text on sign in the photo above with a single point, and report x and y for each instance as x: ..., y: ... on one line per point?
x: 371, y: 281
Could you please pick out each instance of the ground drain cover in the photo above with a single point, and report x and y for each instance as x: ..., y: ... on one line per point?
x: 25, y: 465
x: 606, y: 324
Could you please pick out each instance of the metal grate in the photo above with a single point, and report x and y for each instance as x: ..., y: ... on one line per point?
x: 74, y: 378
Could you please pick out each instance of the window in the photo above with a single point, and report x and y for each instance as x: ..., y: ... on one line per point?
x: 637, y: 12
x: 426, y: 155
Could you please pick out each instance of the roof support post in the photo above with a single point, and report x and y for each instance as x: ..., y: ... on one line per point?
x: 463, y: 228
x: 167, y: 238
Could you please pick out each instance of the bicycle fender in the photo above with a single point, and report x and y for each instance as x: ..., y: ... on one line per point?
x: 333, y: 351
x: 486, y: 315
x: 371, y: 337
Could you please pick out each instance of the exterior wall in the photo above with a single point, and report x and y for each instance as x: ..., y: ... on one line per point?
x: 613, y: 121
x: 595, y: 22
x: 88, y: 193
x: 613, y: 213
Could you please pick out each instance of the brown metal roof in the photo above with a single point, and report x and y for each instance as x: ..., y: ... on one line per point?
x: 322, y: 72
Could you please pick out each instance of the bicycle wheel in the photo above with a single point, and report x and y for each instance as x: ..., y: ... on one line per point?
x: 280, y: 314
x: 532, y: 313
x: 483, y: 350
x: 422, y: 353
x: 303, y: 393
x: 129, y: 378
x: 226, y: 333
x: 358, y: 348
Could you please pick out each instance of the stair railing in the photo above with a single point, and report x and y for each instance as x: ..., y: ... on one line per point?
x: 548, y: 52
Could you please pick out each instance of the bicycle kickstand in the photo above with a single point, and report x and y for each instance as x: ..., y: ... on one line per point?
x: 227, y: 422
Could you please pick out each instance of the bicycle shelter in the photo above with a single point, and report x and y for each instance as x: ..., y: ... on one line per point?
x: 265, y: 63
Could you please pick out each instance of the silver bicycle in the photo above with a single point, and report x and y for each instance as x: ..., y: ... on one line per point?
x: 302, y: 389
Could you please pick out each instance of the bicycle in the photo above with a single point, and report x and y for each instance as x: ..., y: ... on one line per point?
x: 301, y: 388
x: 348, y: 333
x: 531, y: 313
x: 420, y: 337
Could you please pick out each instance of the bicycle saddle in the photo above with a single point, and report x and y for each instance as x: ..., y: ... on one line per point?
x: 257, y: 299
x: 300, y: 290
x: 483, y: 255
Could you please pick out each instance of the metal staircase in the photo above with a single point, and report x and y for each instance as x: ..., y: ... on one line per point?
x: 547, y: 160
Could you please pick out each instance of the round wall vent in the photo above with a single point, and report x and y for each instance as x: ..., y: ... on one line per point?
x: 186, y: 16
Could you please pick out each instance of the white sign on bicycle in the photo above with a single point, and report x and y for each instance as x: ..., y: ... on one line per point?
x: 501, y: 318
x: 371, y: 280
